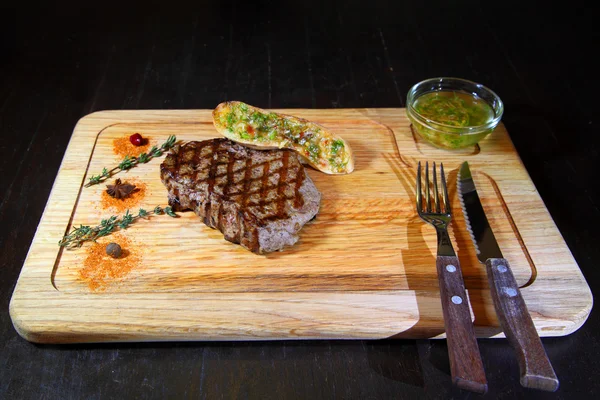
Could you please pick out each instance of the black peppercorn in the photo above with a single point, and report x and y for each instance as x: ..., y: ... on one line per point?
x: 113, y: 250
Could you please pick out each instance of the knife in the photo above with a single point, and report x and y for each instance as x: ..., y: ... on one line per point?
x: 536, y: 370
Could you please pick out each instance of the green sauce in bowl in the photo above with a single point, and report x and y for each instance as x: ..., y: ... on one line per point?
x: 454, y: 108
x: 453, y: 113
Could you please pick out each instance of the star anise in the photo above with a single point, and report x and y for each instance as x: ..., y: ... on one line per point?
x: 120, y: 190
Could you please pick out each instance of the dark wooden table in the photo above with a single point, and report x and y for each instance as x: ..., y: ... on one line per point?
x: 59, y: 64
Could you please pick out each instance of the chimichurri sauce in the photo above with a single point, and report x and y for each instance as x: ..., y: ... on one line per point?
x: 456, y: 109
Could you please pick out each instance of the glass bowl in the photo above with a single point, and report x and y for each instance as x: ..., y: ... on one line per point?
x: 447, y: 136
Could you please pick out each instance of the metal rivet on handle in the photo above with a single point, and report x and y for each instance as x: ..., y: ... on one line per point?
x: 450, y: 268
x: 456, y: 300
x: 510, y: 292
x: 502, y: 268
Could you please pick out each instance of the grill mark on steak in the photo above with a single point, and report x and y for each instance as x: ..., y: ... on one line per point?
x: 211, y: 183
x: 280, y: 189
x: 230, y: 163
x: 298, y: 201
x: 265, y: 180
x: 257, y: 198
x: 247, y: 182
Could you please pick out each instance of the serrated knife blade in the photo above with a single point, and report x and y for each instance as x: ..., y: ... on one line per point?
x: 535, y: 367
x: 477, y: 223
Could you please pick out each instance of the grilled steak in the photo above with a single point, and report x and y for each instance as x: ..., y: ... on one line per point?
x: 259, y: 199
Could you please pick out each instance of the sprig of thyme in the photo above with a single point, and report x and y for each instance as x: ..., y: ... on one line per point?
x: 130, y: 162
x: 87, y: 233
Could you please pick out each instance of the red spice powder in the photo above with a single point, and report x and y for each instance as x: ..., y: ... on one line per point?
x: 129, y: 202
x: 123, y: 147
x: 100, y: 271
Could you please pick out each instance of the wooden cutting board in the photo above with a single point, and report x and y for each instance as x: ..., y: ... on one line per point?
x: 364, y: 268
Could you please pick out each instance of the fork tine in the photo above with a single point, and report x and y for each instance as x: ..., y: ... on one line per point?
x: 419, y: 197
x: 436, y: 199
x: 427, y: 199
x: 445, y: 188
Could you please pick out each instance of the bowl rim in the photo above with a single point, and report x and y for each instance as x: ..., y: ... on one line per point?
x: 449, y: 129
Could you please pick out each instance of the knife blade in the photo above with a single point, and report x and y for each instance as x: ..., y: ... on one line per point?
x: 535, y: 368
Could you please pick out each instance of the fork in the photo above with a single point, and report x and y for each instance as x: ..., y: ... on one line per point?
x: 466, y: 367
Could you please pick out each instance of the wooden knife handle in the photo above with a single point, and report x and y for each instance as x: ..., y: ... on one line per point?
x: 536, y: 370
x: 465, y: 361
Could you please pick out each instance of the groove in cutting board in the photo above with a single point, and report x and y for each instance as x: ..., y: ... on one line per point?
x: 365, y: 237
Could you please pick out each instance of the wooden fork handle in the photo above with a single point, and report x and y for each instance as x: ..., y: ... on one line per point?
x: 466, y: 367
x: 536, y: 370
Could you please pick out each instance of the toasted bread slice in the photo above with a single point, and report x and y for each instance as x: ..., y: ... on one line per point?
x: 261, y: 129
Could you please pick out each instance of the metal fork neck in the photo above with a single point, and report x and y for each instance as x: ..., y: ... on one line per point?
x: 444, y: 243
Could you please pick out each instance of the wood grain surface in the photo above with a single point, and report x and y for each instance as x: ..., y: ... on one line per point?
x: 365, y: 268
